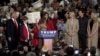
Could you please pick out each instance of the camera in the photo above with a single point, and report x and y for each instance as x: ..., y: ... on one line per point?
x: 44, y: 53
x: 76, y: 52
x: 56, y: 51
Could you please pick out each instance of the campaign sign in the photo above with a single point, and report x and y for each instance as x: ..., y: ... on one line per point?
x: 48, y: 34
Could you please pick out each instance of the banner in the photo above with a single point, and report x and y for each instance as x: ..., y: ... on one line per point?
x: 37, y: 4
x: 13, y: 1
x: 5, y: 8
x: 33, y: 17
x: 48, y: 34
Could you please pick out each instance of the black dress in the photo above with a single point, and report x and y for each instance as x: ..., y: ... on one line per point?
x: 91, y: 24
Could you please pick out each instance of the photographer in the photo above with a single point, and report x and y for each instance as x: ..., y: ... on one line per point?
x: 15, y: 53
x: 4, y: 50
x: 56, y: 48
x: 70, y: 51
x: 93, y: 51
x: 21, y: 50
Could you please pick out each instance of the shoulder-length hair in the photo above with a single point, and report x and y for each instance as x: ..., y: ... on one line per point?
x: 42, y: 20
x: 95, y: 16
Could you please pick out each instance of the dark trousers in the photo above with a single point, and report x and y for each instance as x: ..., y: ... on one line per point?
x: 82, y: 41
x: 12, y: 45
x: 24, y: 43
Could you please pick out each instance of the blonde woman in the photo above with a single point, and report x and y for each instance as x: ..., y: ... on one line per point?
x: 72, y: 27
x: 92, y: 30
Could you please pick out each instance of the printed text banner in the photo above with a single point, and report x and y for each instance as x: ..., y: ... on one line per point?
x: 33, y: 17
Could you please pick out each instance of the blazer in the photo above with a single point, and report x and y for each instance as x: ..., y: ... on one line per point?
x: 12, y: 30
x: 24, y: 34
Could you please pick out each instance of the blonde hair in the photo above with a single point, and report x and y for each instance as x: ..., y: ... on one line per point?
x: 94, y: 15
x: 73, y: 14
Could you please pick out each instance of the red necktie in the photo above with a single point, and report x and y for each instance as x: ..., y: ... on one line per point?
x: 15, y: 22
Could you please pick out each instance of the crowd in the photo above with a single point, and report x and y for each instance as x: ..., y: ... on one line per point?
x: 77, y: 24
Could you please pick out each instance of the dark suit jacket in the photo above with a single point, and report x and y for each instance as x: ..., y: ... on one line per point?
x: 12, y: 30
x: 83, y: 22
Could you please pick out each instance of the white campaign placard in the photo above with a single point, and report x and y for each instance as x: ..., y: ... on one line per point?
x: 5, y: 8
x: 33, y: 17
x: 37, y: 4
x: 13, y: 1
x: 1, y: 8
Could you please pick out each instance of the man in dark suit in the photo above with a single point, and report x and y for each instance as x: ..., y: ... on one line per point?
x: 12, y: 31
x: 83, y: 22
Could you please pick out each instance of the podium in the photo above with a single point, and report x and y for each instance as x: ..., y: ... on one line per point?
x: 48, y: 36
